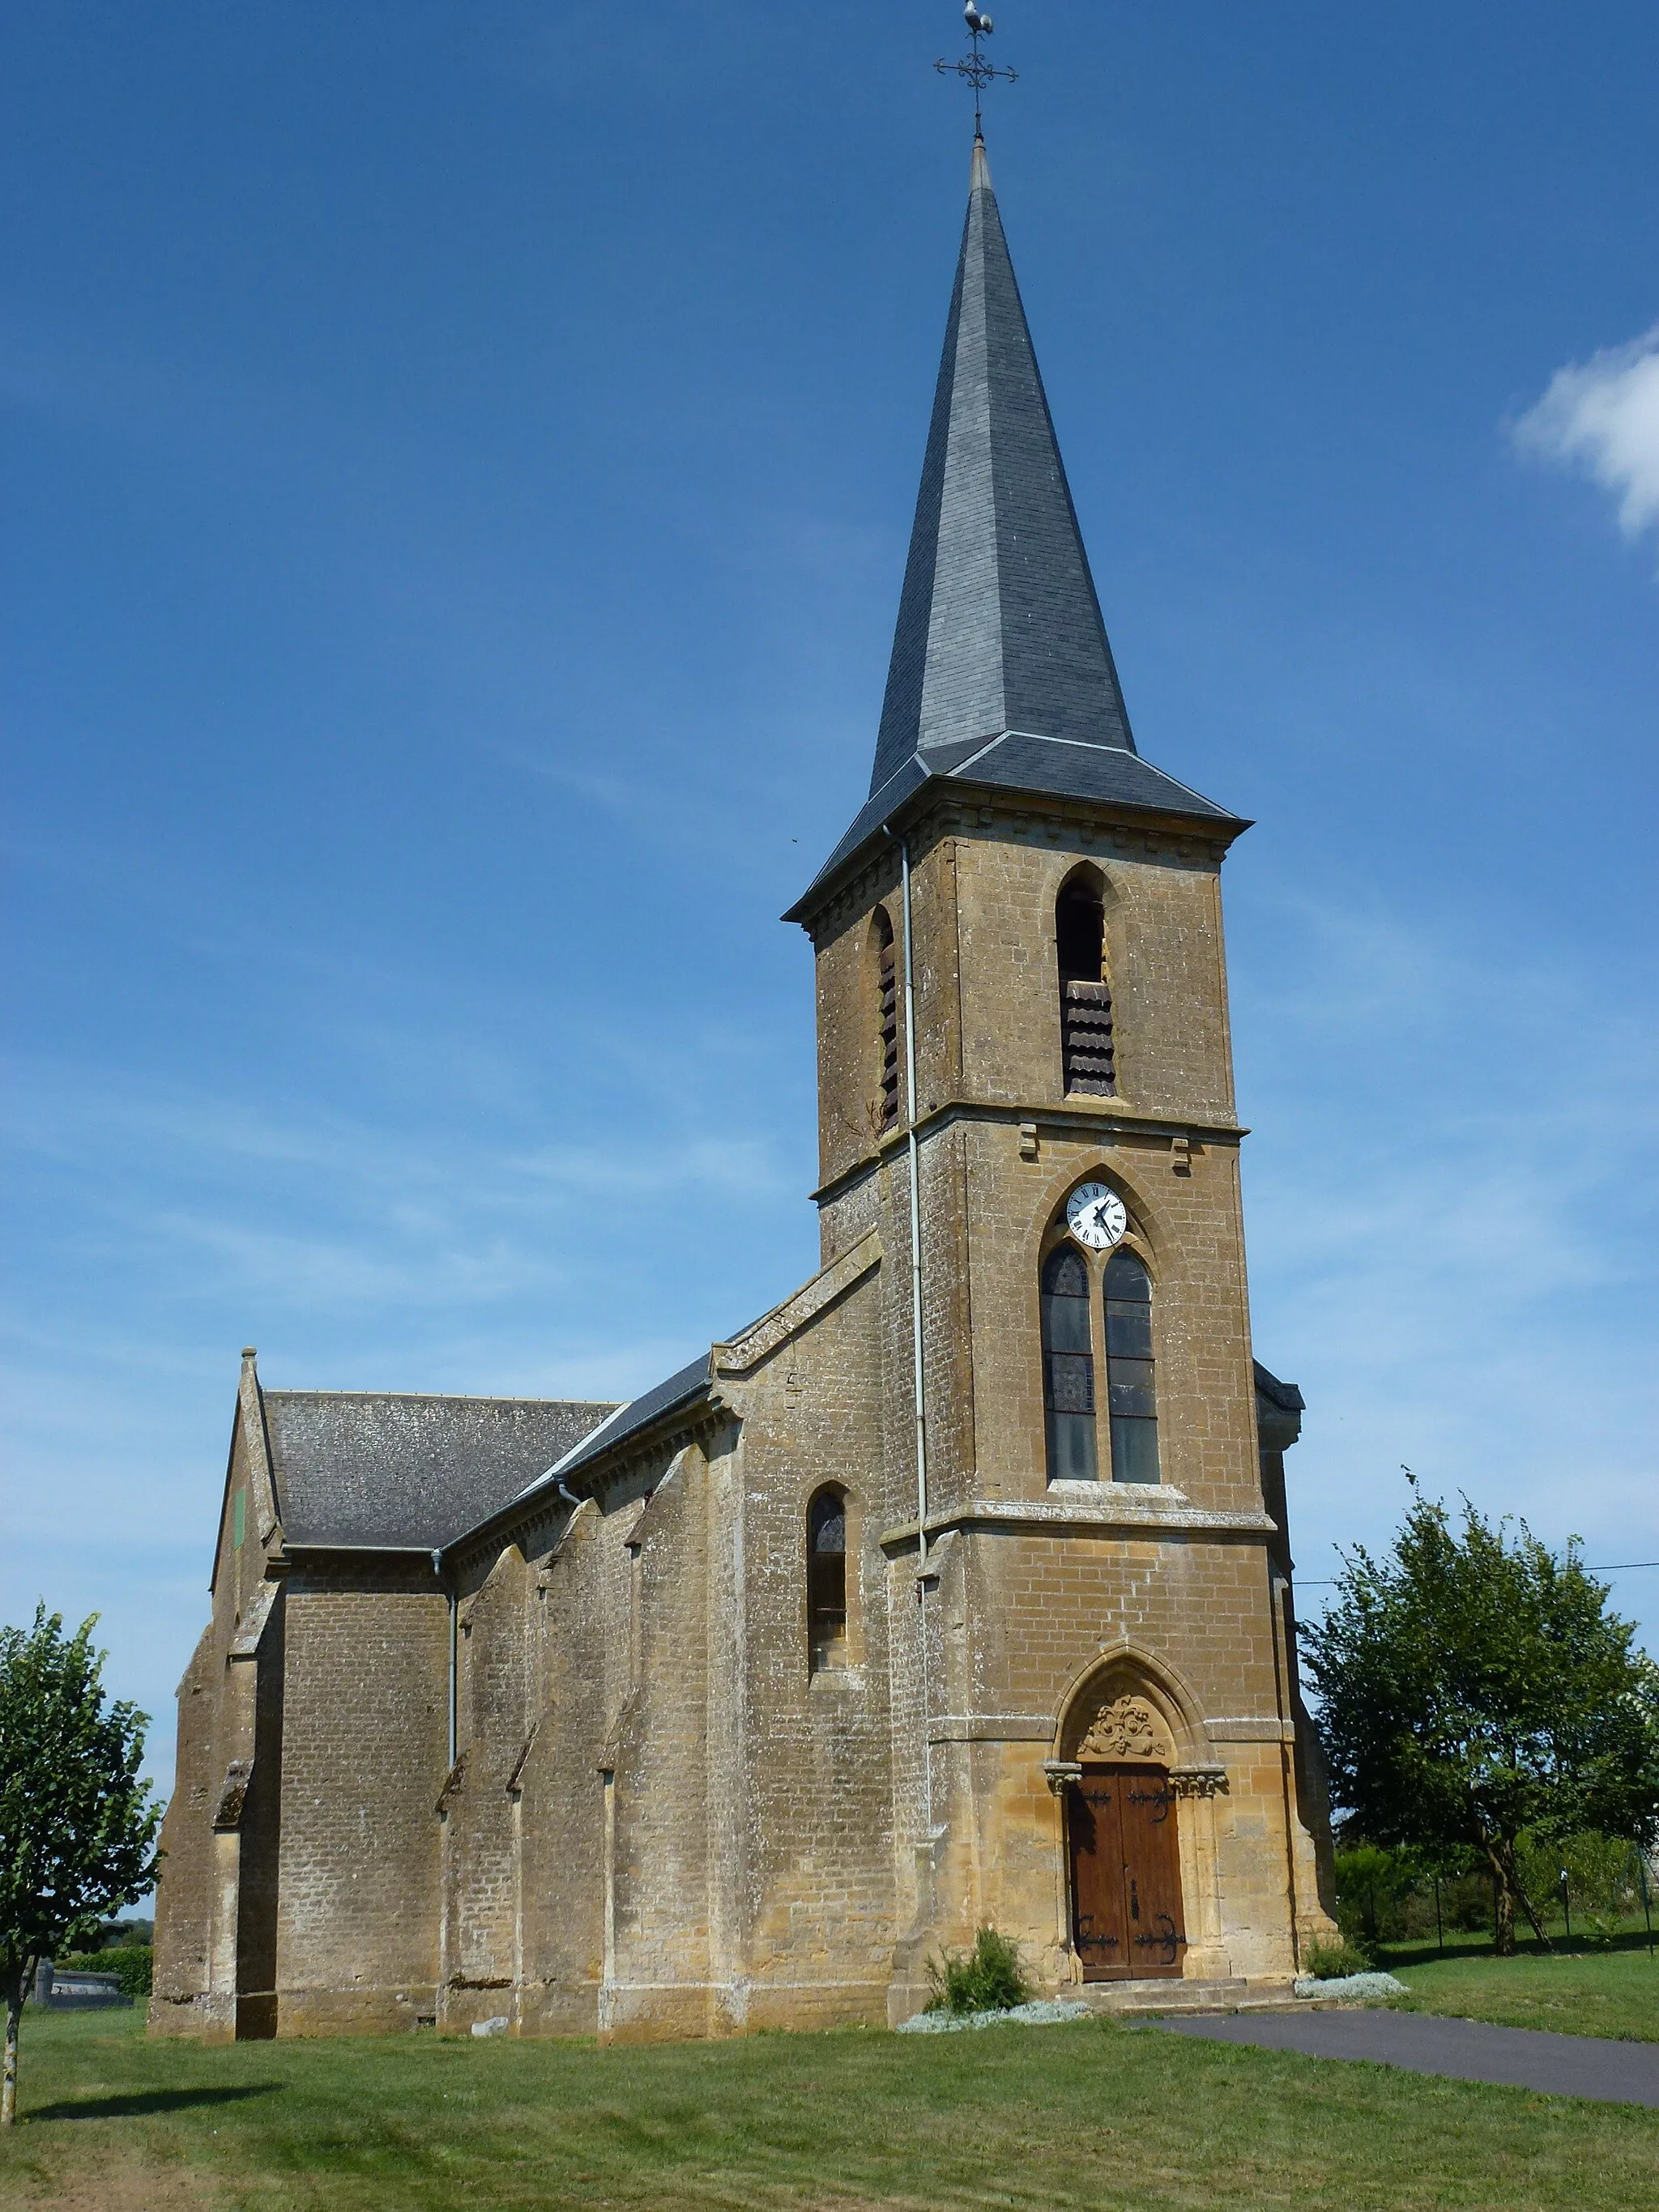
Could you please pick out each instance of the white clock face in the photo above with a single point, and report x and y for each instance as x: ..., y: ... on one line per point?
x: 1095, y: 1216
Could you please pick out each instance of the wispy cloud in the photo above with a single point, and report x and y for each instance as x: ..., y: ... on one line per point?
x: 323, y: 1209
x: 1449, y: 1248
x: 1603, y: 415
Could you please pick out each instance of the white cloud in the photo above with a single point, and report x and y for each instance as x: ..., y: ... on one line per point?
x: 1603, y: 415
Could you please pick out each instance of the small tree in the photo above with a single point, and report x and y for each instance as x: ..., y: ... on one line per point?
x: 1471, y: 1687
x: 77, y: 1830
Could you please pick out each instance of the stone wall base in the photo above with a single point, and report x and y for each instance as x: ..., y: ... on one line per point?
x: 354, y: 2012
x: 557, y: 2009
x: 203, y: 2019
x: 666, y: 2012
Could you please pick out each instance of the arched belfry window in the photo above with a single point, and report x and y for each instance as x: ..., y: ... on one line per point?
x: 1068, y: 1366
x: 887, y: 1036
x: 826, y: 1580
x: 1087, y: 1045
x: 1131, y: 1390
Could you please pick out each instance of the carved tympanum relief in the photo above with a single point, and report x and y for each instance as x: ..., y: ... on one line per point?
x: 1127, y: 1729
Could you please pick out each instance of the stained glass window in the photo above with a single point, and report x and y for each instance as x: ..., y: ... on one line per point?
x: 1068, y: 1367
x: 1130, y: 1389
x: 826, y: 1580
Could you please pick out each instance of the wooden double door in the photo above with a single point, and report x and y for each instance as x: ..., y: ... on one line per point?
x: 1126, y: 1873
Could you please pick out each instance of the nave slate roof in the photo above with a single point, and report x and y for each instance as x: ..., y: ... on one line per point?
x: 384, y: 1470
x: 1001, y: 673
x: 680, y: 1390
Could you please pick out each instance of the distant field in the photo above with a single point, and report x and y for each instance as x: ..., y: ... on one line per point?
x: 1091, y: 2116
x: 1576, y: 1992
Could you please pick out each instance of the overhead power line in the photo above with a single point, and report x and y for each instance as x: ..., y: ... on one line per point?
x: 1618, y: 1567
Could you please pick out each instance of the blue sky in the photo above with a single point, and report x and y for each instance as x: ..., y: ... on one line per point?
x: 460, y: 460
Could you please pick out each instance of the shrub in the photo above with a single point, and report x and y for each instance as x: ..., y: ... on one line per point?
x: 1374, y: 1884
x: 1466, y: 1904
x: 130, y: 1963
x: 1330, y: 1962
x: 988, y: 1978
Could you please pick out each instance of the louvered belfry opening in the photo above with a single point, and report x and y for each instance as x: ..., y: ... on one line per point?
x: 887, y: 1018
x: 1086, y: 996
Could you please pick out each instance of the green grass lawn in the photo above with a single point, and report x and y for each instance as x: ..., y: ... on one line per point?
x: 1576, y: 1991
x: 1094, y: 2115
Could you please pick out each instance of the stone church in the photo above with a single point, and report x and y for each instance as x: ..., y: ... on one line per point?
x: 957, y: 1589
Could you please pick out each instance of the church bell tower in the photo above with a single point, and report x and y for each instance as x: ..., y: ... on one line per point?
x: 1026, y: 1084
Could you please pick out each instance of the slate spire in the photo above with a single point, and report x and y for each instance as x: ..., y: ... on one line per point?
x: 998, y: 626
x: 1001, y: 678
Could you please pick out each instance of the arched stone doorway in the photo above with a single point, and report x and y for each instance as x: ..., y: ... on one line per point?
x: 1124, y: 1859
x: 1126, y: 1907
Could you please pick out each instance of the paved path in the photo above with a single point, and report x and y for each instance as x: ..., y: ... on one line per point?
x: 1467, y: 2049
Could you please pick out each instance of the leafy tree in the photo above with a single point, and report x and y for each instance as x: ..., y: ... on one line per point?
x: 77, y: 1830
x: 1472, y: 1686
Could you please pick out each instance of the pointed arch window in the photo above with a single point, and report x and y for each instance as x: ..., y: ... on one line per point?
x: 1088, y: 1044
x: 1131, y: 1383
x: 826, y: 1580
x: 1068, y: 1367
x: 887, y: 1019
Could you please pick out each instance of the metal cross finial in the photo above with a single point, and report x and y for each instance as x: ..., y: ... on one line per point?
x: 978, y: 71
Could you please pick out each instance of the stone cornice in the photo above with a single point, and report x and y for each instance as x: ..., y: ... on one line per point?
x: 990, y: 1728
x: 1100, y: 1120
x: 948, y: 808
x: 1074, y: 1514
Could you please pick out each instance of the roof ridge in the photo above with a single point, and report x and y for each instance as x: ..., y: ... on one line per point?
x: 441, y: 1397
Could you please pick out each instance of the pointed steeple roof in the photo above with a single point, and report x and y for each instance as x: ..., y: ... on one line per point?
x: 999, y: 626
x: 1001, y: 672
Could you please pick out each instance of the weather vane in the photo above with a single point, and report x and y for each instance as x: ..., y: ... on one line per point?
x: 975, y: 67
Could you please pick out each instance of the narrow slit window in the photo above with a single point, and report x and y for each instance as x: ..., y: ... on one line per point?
x: 1088, y: 1044
x: 1068, y: 1368
x: 1131, y: 1386
x: 826, y: 1581
x: 887, y: 1018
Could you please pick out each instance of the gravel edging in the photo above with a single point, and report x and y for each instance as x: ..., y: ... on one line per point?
x: 1041, y: 2012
